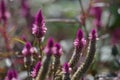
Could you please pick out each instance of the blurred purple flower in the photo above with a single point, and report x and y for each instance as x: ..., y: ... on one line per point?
x: 39, y: 28
x: 3, y: 12
x: 79, y: 41
x: 36, y: 69
x: 57, y: 50
x: 49, y: 48
x: 93, y: 35
x: 25, y: 8
x: 116, y: 36
x: 96, y: 11
x: 11, y: 75
x: 23, y: 37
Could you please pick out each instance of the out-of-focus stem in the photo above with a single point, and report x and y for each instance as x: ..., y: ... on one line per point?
x: 5, y: 36
x: 40, y: 47
x: 84, y: 15
x: 56, y: 65
x: 72, y: 21
x: 44, y: 69
x: 75, y: 58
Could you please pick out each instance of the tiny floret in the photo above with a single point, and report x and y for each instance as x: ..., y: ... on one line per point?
x: 93, y: 34
x: 57, y: 50
x: 48, y: 49
x: 79, y: 41
x: 66, y: 68
x: 28, y: 49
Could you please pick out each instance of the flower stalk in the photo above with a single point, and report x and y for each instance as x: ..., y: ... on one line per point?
x: 57, y: 50
x: 90, y: 56
x: 79, y: 45
x: 66, y: 70
x: 42, y: 73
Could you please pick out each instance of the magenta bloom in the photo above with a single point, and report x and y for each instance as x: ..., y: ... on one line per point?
x: 11, y: 75
x: 66, y: 68
x: 57, y: 50
x: 28, y: 49
x: 97, y: 13
x: 39, y: 28
x: 79, y: 41
x: 36, y: 69
x: 3, y: 12
x: 49, y: 47
x: 25, y: 7
x: 116, y: 36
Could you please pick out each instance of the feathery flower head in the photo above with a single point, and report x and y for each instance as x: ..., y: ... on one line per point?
x: 39, y: 28
x: 11, y: 75
x: 93, y: 34
x: 66, y: 68
x: 36, y: 69
x: 57, y: 50
x: 28, y: 49
x: 79, y: 41
x: 48, y: 49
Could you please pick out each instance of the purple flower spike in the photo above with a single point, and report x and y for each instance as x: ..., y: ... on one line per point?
x: 36, y: 69
x: 39, y: 28
x: 3, y: 8
x: 50, y: 44
x: 3, y: 14
x: 66, y: 68
x: 93, y: 34
x: 79, y: 41
x: 27, y: 50
x: 57, y: 50
x: 11, y: 75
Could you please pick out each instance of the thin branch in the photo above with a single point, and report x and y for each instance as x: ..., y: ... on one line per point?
x: 72, y: 21
x: 108, y: 21
x: 83, y: 12
x: 82, y: 9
